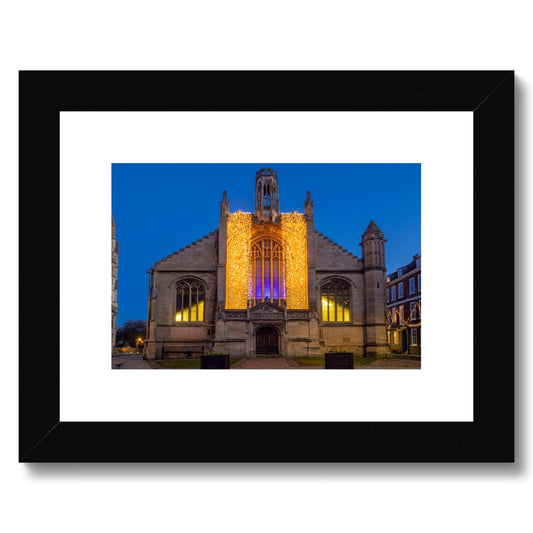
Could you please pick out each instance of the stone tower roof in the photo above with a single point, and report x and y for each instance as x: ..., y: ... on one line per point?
x: 372, y: 228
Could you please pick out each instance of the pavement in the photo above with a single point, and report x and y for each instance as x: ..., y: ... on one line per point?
x: 135, y: 361
x: 285, y: 362
x: 266, y: 362
x: 394, y: 362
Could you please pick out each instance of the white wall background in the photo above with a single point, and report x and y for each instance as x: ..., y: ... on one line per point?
x: 270, y: 35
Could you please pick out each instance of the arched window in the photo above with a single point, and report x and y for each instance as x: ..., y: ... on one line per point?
x: 190, y: 301
x: 268, y: 272
x: 335, y: 297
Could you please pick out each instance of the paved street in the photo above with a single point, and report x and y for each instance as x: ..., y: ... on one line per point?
x: 266, y: 362
x: 135, y: 361
x: 395, y: 362
x: 132, y: 361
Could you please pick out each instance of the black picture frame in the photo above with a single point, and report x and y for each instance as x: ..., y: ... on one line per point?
x: 489, y: 95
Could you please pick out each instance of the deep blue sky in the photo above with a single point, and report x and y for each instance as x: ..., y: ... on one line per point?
x: 159, y: 208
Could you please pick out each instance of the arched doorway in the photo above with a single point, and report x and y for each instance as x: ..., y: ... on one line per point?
x: 266, y: 341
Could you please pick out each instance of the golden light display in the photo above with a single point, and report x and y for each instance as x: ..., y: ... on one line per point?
x: 238, y: 263
x: 395, y: 319
x: 294, y: 232
x: 238, y: 259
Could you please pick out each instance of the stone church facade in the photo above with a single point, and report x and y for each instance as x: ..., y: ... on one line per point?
x: 268, y: 283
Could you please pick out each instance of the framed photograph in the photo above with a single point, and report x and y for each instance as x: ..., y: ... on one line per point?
x: 265, y: 221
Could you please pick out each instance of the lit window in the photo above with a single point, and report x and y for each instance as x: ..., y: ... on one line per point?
x: 268, y: 272
x: 400, y: 290
x: 335, y: 297
x: 190, y: 301
x: 414, y: 336
x: 393, y: 293
x: 400, y: 316
x: 411, y: 285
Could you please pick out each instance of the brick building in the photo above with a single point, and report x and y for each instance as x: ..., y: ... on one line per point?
x: 268, y: 283
x: 403, y: 295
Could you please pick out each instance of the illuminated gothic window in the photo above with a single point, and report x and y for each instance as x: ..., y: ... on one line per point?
x: 268, y: 272
x: 335, y: 297
x: 190, y: 300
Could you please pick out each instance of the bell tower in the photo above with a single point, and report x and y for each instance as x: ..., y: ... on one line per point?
x: 266, y: 195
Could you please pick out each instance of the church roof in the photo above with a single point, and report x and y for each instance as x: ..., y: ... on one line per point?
x: 335, y: 245
x: 195, y: 243
x: 266, y: 172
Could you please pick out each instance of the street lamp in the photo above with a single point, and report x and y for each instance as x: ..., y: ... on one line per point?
x: 138, y: 341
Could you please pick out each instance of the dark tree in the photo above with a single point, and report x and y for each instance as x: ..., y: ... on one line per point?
x: 130, y: 331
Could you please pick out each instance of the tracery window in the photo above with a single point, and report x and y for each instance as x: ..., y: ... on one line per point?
x: 268, y: 272
x: 335, y: 298
x: 190, y: 301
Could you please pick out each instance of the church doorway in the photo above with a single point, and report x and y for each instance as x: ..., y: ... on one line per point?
x: 266, y: 341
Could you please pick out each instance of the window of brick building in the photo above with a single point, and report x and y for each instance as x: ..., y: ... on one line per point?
x: 412, y: 286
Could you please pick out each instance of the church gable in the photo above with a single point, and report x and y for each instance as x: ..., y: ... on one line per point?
x: 199, y: 255
x: 267, y: 283
x: 331, y: 255
x: 266, y: 310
